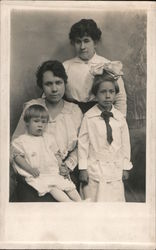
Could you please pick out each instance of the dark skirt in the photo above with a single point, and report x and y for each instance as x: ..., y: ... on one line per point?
x: 85, y: 106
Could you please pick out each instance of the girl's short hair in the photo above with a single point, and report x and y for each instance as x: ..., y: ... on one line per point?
x: 35, y: 111
x: 55, y: 67
x: 85, y: 27
x: 98, y: 79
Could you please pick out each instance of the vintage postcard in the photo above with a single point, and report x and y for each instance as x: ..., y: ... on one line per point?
x: 78, y: 125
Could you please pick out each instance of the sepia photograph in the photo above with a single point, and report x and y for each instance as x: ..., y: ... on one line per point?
x: 78, y: 125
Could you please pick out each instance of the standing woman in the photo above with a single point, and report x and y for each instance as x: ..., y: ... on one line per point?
x: 65, y: 117
x: 84, y: 36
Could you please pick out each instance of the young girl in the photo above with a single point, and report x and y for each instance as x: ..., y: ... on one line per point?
x: 36, y: 157
x: 84, y: 36
x: 103, y: 145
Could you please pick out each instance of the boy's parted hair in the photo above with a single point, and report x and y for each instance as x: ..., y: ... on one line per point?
x: 55, y: 67
x: 35, y: 111
x: 85, y: 27
x: 98, y: 79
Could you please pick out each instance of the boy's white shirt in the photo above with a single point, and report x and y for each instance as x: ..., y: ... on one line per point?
x: 93, y: 146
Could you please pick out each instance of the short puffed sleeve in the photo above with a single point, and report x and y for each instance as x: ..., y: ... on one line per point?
x: 17, y: 148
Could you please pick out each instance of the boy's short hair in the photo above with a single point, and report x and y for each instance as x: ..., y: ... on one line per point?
x: 98, y: 79
x: 55, y: 67
x: 85, y: 27
x: 35, y: 111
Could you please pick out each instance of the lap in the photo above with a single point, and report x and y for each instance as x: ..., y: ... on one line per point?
x: 22, y: 192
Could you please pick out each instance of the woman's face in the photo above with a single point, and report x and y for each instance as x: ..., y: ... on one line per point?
x: 53, y: 87
x: 85, y: 47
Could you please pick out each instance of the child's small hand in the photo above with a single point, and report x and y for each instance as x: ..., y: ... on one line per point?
x: 125, y: 175
x: 83, y: 176
x: 64, y: 170
x: 35, y: 172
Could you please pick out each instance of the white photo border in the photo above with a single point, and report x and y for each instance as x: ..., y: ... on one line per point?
x: 77, y: 226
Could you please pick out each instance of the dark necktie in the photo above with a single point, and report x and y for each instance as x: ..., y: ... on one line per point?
x: 106, y: 115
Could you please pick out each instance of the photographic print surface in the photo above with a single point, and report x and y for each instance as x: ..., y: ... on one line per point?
x: 34, y: 32
x: 37, y: 36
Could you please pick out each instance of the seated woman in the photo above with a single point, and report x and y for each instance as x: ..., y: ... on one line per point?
x: 64, y: 117
x: 84, y: 36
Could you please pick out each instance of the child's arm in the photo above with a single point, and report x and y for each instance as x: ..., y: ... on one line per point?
x: 83, y: 148
x: 21, y: 162
x: 121, y: 98
x: 17, y: 155
x: 126, y: 151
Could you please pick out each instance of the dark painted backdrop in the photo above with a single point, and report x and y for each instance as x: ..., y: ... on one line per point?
x: 42, y: 35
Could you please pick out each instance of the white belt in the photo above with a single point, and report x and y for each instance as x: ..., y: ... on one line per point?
x: 106, y: 157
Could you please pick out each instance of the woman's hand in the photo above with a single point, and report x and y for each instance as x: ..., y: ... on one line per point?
x: 35, y: 172
x: 83, y: 176
x: 64, y: 170
x: 125, y: 175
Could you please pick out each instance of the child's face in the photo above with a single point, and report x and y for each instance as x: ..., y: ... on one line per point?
x: 36, y: 126
x: 53, y: 87
x: 106, y: 95
x: 85, y: 47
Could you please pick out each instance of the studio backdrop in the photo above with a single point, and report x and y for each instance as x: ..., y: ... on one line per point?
x: 39, y: 35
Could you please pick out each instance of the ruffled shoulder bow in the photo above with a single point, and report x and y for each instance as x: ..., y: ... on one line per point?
x: 113, y: 68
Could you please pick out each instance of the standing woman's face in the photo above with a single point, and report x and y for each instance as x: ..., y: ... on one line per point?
x: 53, y: 87
x: 85, y: 47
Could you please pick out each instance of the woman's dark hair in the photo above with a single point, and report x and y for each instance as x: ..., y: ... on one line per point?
x: 98, y: 79
x: 35, y: 111
x: 55, y: 67
x: 85, y: 27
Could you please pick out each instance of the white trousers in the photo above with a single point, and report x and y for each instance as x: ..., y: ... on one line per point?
x: 103, y: 191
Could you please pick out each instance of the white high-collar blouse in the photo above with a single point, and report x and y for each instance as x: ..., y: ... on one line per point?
x: 80, y: 81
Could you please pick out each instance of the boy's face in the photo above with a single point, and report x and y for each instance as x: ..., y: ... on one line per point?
x: 106, y: 95
x: 85, y: 47
x: 36, y: 126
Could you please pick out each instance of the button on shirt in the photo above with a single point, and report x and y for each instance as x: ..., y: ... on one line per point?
x: 80, y: 81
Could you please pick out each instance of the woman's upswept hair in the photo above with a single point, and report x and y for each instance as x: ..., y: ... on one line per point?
x: 35, y: 111
x: 55, y: 67
x: 85, y: 27
x: 98, y: 79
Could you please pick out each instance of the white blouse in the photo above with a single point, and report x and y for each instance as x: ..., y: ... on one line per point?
x: 95, y: 153
x: 80, y: 81
x: 64, y: 128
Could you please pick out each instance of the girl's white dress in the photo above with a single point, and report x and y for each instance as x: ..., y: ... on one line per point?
x: 105, y: 162
x: 64, y: 128
x: 39, y: 152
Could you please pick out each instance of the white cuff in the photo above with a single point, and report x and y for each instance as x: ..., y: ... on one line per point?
x: 70, y: 163
x: 127, y: 164
x: 82, y: 164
